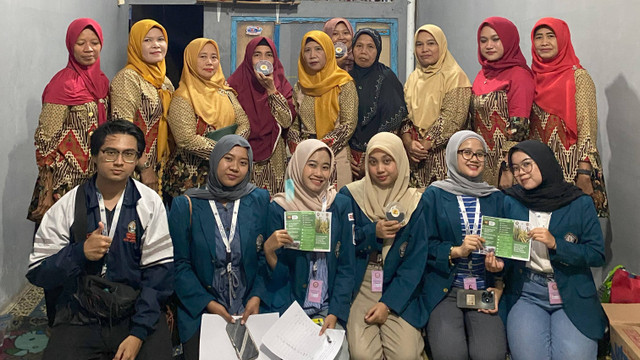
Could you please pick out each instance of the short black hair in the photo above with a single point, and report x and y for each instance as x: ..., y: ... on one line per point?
x: 116, y: 126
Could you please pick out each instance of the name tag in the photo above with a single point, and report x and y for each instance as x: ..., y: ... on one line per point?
x: 376, y: 280
x: 314, y: 294
x: 554, y: 293
x: 470, y: 283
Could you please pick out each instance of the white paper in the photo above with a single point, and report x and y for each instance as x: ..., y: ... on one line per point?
x: 295, y: 337
x: 214, y: 340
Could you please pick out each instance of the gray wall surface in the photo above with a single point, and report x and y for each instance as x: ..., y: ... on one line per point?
x: 604, y: 38
x: 32, y: 34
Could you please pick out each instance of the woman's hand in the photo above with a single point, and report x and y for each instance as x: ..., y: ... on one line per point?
x: 329, y: 323
x: 253, y: 307
x: 214, y: 307
x: 387, y: 229
x: 583, y: 181
x: 497, y: 293
x: 506, y: 179
x: 544, y: 236
x: 377, y: 314
x: 45, y: 201
x: 492, y: 263
x: 278, y: 239
x: 267, y: 82
x: 357, y: 169
x: 470, y: 244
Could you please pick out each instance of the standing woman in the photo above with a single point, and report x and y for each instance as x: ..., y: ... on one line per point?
x: 326, y: 103
x: 454, y: 209
x: 141, y: 93
x: 340, y: 30
x: 437, y: 95
x: 565, y: 114
x: 381, y: 105
x: 202, y: 103
x: 268, y: 102
x: 387, y: 314
x: 502, y: 96
x: 554, y: 309
x: 73, y: 105
x: 219, y: 262
x: 292, y: 271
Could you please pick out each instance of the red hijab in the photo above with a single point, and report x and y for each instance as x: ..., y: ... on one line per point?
x: 555, y: 81
x: 254, y: 99
x: 78, y: 84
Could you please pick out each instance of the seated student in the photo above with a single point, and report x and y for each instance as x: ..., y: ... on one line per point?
x: 293, y: 270
x: 553, y: 307
x: 454, y: 209
x: 219, y: 272
x: 125, y: 239
x: 387, y: 315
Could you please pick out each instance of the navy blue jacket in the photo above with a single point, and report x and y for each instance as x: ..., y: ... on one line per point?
x: 140, y: 254
x: 442, y: 215
x: 290, y: 278
x: 194, y: 248
x: 404, y: 266
x: 571, y: 262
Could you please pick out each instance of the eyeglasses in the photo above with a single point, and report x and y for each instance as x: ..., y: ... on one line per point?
x: 128, y: 156
x: 467, y: 154
x: 525, y: 166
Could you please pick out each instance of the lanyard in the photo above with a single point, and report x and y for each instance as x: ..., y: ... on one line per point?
x: 109, y: 231
x: 324, y: 204
x: 223, y: 234
x: 465, y: 218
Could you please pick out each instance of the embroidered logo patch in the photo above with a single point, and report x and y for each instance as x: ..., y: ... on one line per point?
x: 403, y: 249
x: 131, y: 232
x: 570, y: 237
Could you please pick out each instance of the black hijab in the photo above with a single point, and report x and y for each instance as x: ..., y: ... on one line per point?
x: 381, y: 105
x: 215, y: 190
x: 553, y: 193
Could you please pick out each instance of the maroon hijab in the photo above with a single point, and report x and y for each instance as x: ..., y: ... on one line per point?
x: 510, y: 39
x: 78, y: 84
x: 254, y: 99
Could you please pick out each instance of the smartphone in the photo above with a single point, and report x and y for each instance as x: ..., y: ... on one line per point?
x: 476, y: 299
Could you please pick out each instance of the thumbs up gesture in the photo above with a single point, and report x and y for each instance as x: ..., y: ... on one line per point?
x: 96, y: 244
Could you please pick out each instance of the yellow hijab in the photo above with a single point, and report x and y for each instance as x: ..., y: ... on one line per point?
x: 154, y: 74
x: 324, y: 85
x: 426, y: 87
x: 208, y: 103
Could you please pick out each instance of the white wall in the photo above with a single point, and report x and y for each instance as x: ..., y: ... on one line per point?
x: 605, y: 38
x: 32, y: 34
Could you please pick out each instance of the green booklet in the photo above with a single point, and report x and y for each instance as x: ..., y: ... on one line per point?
x: 216, y: 135
x: 506, y: 237
x: 310, y: 230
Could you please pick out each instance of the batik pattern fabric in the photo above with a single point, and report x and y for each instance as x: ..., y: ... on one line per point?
x: 453, y: 117
x: 552, y: 130
x: 135, y: 99
x: 62, y: 148
x: 269, y: 173
x: 188, y: 166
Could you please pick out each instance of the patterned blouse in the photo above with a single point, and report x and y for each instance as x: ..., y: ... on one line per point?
x: 453, y: 117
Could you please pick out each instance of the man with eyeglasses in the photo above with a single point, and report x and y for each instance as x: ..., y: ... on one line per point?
x: 126, y: 241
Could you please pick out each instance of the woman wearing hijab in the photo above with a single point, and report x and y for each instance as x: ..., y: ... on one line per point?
x: 73, y: 105
x: 387, y: 314
x: 268, y: 102
x: 219, y: 263
x: 565, y: 115
x: 326, y: 103
x: 454, y: 209
x: 381, y: 105
x: 294, y: 273
x: 203, y: 103
x: 502, y: 96
x: 553, y: 307
x: 340, y: 30
x: 437, y: 95
x: 141, y: 93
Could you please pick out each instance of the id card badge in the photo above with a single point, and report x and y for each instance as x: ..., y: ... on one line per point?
x: 376, y: 280
x: 554, y: 294
x: 314, y: 294
x: 470, y: 283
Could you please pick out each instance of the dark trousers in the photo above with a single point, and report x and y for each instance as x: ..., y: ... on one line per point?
x: 101, y: 341
x: 191, y: 348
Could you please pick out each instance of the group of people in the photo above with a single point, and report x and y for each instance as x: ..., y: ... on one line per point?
x: 347, y: 141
